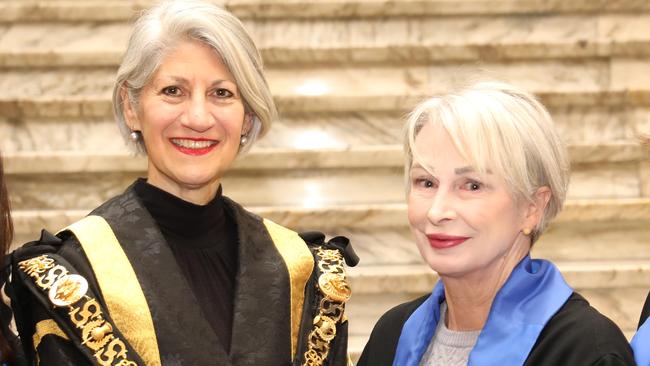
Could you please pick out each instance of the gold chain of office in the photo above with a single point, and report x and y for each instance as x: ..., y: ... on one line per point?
x: 69, y: 291
x: 331, y: 310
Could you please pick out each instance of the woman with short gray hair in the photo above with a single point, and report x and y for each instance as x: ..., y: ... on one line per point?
x: 486, y: 172
x: 171, y: 271
x: 160, y: 29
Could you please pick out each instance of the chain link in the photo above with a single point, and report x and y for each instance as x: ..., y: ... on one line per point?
x: 336, y: 291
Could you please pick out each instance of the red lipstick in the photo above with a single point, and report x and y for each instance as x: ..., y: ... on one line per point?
x: 442, y: 241
x: 193, y: 146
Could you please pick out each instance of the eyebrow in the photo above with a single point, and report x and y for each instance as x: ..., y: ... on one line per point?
x: 457, y: 171
x: 182, y: 80
x: 464, y: 170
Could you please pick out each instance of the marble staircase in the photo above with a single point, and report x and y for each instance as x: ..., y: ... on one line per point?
x: 344, y: 73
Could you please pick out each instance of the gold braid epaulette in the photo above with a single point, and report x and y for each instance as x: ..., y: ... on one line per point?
x: 69, y: 290
x: 331, y: 310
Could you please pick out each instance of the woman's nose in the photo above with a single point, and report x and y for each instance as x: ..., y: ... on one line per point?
x: 198, y: 116
x: 441, y: 209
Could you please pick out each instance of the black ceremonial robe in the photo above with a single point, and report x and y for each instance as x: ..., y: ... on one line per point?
x: 261, y: 333
x: 576, y: 335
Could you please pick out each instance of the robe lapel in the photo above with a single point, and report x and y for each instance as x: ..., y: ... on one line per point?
x: 261, y: 319
x: 184, y: 337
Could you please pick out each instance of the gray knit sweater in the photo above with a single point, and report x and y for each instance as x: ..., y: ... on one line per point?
x: 448, y: 347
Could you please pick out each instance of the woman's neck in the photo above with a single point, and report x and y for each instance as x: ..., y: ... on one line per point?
x: 196, y: 194
x: 470, y: 297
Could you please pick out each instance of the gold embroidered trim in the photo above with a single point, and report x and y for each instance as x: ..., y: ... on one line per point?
x: 119, y: 286
x: 300, y: 264
x: 95, y: 332
x: 47, y: 327
x: 331, y: 310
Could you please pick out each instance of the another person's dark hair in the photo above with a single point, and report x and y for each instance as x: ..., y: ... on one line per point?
x: 6, y: 236
x: 7, y: 228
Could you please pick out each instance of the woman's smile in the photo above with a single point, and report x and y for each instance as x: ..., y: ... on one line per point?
x: 194, y: 146
x: 191, y: 118
x: 442, y: 241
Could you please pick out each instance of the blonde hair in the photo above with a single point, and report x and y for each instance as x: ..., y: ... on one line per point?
x: 162, y: 27
x: 503, y: 129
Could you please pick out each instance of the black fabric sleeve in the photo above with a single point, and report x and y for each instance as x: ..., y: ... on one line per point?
x: 612, y: 360
x: 339, y: 347
x: 338, y: 350
x: 578, y: 335
x: 381, y: 347
x: 28, y: 310
x: 56, y: 351
x: 31, y: 306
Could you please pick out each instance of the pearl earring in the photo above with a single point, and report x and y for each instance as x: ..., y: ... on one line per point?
x: 134, y: 136
x: 527, y: 231
x: 243, y: 140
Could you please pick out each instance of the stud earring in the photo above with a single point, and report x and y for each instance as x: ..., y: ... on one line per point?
x: 243, y: 140
x: 134, y: 136
x: 527, y: 231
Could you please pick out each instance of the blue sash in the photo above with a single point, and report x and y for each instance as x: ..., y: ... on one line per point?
x: 641, y: 345
x: 533, y: 293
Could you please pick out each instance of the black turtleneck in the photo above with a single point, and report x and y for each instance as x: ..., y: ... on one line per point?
x: 204, y: 242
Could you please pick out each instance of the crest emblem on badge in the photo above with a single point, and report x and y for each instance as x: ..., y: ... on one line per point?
x: 334, y: 286
x: 67, y: 290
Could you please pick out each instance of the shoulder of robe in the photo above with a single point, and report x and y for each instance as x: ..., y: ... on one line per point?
x: 613, y: 360
x: 581, y: 332
x: 316, y: 239
x: 394, y: 319
x: 37, y: 269
x: 382, y: 344
x: 64, y: 245
x: 48, y: 243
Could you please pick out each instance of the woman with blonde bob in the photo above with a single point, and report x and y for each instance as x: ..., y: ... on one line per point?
x: 486, y: 173
x: 171, y: 271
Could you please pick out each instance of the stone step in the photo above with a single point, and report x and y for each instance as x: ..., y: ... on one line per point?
x: 86, y: 93
x: 115, y: 10
x: 414, y: 38
x: 73, y: 180
x: 565, y: 240
x: 369, y: 156
x: 308, y: 131
x: 577, y: 125
x: 418, y: 278
x: 624, y: 214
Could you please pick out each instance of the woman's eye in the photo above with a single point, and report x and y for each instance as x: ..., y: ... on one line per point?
x: 472, y: 186
x: 223, y: 93
x: 424, y: 183
x: 171, y: 90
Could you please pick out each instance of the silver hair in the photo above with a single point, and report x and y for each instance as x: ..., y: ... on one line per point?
x: 502, y: 128
x: 162, y: 27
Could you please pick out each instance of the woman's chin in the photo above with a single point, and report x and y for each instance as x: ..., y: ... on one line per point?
x: 449, y: 267
x: 199, y: 182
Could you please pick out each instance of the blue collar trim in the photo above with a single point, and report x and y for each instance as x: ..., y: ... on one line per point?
x: 533, y: 293
x: 641, y: 345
